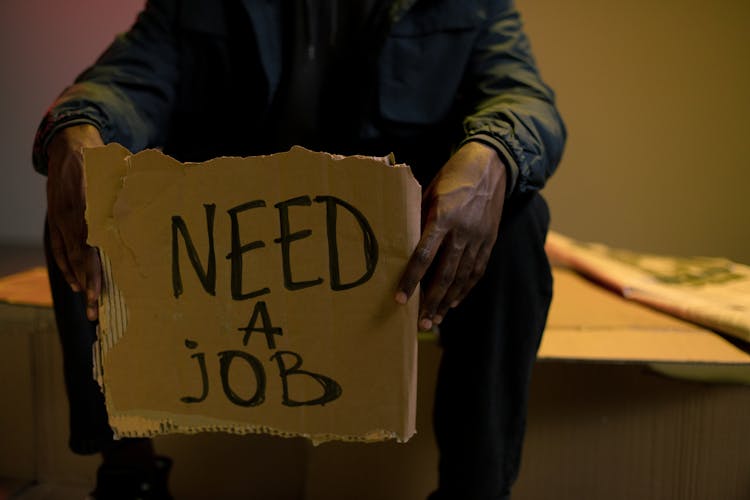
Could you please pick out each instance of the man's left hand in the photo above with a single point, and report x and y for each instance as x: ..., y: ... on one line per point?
x: 461, y: 211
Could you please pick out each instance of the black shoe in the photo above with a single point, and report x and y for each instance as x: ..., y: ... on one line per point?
x: 115, y: 482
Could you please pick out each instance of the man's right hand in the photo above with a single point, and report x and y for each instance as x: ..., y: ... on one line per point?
x: 66, y: 205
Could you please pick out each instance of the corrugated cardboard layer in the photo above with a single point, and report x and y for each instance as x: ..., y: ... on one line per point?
x: 281, y: 317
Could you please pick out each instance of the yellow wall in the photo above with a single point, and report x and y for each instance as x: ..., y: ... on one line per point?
x: 656, y: 96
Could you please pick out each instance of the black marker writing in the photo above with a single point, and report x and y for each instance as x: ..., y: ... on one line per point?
x: 225, y: 362
x: 331, y: 388
x: 370, y: 244
x: 201, y: 357
x: 286, y: 238
x: 261, y: 312
x: 238, y: 249
x: 208, y: 276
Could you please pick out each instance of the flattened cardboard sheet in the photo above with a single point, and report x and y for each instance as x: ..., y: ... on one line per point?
x: 589, y: 323
x: 255, y: 294
x: 713, y: 292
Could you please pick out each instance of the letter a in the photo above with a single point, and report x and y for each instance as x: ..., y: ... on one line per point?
x: 261, y: 311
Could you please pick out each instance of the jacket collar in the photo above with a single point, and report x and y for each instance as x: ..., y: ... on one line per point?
x: 265, y: 16
x: 399, y: 8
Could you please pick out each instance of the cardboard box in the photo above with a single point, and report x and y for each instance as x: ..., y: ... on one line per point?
x: 599, y: 428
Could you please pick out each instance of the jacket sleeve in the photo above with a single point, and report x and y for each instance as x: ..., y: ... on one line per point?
x: 513, y: 110
x: 128, y: 93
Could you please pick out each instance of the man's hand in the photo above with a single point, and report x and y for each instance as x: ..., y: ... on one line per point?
x: 66, y: 203
x: 461, y: 214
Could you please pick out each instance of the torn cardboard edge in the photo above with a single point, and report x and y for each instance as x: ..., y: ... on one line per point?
x: 155, y: 425
x: 114, y: 319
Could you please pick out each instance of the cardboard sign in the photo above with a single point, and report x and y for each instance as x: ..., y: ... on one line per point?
x: 254, y: 294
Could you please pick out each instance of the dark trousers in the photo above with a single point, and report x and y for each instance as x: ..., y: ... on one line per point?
x: 89, y: 428
x: 489, y: 346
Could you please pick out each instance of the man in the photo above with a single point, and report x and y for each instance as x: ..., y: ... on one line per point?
x: 421, y: 78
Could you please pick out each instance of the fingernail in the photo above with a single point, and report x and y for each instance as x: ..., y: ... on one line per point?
x: 75, y: 287
x: 401, y: 298
x: 454, y: 304
x: 425, y: 324
x: 437, y: 319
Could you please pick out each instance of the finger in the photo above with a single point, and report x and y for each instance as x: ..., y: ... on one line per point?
x: 480, y: 265
x: 77, y: 262
x: 460, y: 282
x: 443, y: 277
x: 93, y: 283
x: 74, y: 240
x: 419, y: 262
x: 426, y: 205
x: 61, y: 258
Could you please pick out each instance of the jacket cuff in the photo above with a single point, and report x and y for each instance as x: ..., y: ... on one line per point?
x: 53, y: 122
x: 511, y: 167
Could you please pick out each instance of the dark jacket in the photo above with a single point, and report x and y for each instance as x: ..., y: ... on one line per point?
x: 199, y: 79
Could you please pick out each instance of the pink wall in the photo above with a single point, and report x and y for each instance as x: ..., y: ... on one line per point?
x: 44, y: 44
